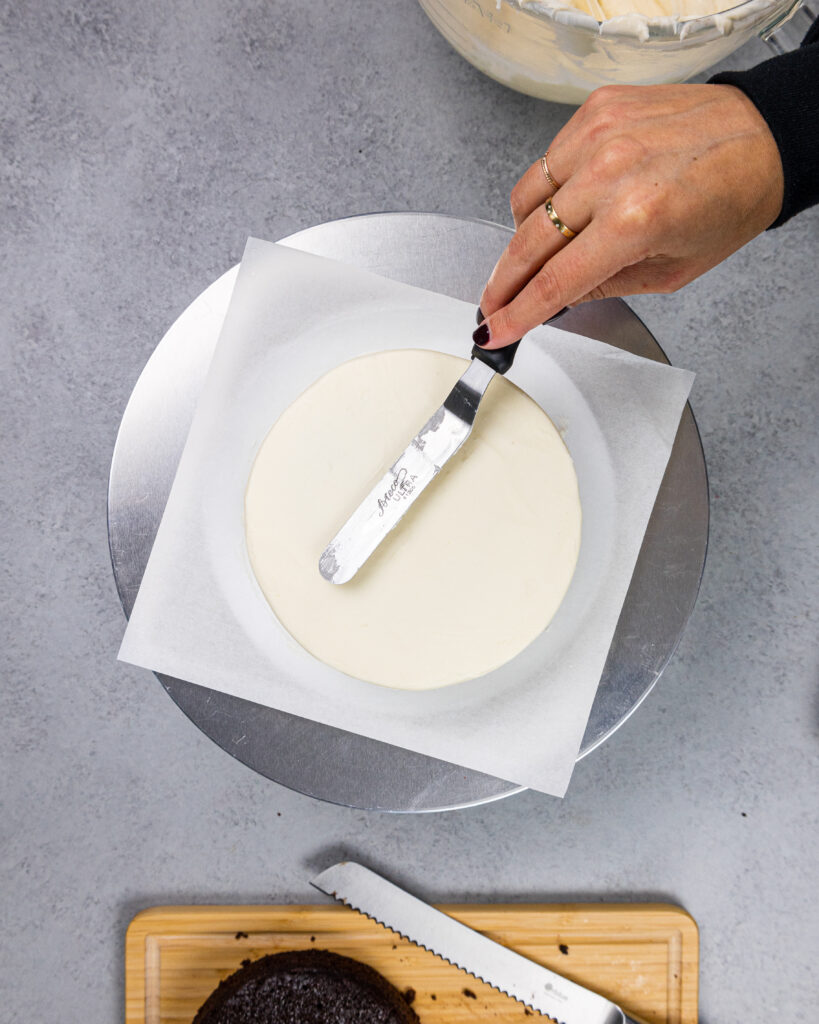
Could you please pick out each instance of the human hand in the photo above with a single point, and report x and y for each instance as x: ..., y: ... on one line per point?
x: 660, y: 183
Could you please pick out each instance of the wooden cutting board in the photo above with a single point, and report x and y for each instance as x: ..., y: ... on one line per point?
x: 643, y: 956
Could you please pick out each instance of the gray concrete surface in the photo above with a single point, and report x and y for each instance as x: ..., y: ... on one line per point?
x: 141, y: 144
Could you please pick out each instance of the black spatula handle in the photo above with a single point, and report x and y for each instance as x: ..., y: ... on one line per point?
x: 501, y: 359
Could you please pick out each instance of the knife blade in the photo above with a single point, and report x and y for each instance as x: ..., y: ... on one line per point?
x: 531, y: 984
x: 415, y: 468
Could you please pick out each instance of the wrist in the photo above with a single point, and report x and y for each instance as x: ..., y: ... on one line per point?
x: 785, y: 92
x: 764, y: 168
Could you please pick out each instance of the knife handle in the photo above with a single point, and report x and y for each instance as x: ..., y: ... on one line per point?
x: 501, y: 359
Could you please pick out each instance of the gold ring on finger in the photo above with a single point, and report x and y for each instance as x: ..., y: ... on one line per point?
x: 547, y: 172
x: 564, y: 229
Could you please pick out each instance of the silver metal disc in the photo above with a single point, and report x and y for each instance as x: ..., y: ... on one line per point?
x: 452, y: 256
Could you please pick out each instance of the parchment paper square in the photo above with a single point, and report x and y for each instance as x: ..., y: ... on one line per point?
x: 201, y: 616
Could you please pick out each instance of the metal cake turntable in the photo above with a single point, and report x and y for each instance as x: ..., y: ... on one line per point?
x: 452, y: 256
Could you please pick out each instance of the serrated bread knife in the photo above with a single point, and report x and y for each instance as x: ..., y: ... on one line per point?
x: 537, y: 987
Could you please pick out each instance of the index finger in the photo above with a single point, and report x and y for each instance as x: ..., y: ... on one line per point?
x: 575, y: 270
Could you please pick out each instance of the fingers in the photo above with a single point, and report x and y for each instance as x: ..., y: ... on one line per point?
x: 603, y: 114
x: 605, y: 197
x: 652, y: 180
x: 534, y: 188
x: 535, y: 242
x: 573, y: 272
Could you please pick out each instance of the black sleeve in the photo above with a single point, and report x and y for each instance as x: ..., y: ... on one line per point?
x: 785, y: 90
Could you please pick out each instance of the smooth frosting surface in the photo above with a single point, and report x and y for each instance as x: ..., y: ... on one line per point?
x: 475, y: 570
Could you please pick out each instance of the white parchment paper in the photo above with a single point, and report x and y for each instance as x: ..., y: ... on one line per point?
x: 201, y: 616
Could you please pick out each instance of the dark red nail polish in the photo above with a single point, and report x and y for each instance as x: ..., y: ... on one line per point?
x: 481, y: 336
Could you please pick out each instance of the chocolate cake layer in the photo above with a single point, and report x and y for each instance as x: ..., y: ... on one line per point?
x: 306, y: 987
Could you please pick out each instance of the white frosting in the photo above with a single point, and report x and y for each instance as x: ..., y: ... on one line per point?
x: 649, y: 10
x: 475, y: 570
x: 561, y: 50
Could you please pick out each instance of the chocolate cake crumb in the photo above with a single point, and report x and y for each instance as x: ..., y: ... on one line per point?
x: 564, y: 949
x: 247, y: 962
x: 312, y: 938
x: 469, y: 993
x: 433, y: 997
x: 241, y: 935
x: 409, y: 995
x: 527, y: 1011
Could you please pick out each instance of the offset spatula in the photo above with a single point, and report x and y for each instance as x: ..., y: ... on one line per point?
x: 416, y: 467
x: 543, y: 990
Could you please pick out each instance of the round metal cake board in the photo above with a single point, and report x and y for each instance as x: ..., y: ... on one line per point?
x: 453, y: 256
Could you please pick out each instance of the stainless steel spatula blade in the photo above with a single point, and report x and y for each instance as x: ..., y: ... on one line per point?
x: 537, y: 987
x: 421, y: 461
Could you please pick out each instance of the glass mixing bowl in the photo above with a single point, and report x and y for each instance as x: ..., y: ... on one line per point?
x: 562, y: 54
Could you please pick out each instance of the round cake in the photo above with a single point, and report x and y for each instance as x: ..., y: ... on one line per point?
x: 475, y: 570
x: 311, y: 986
